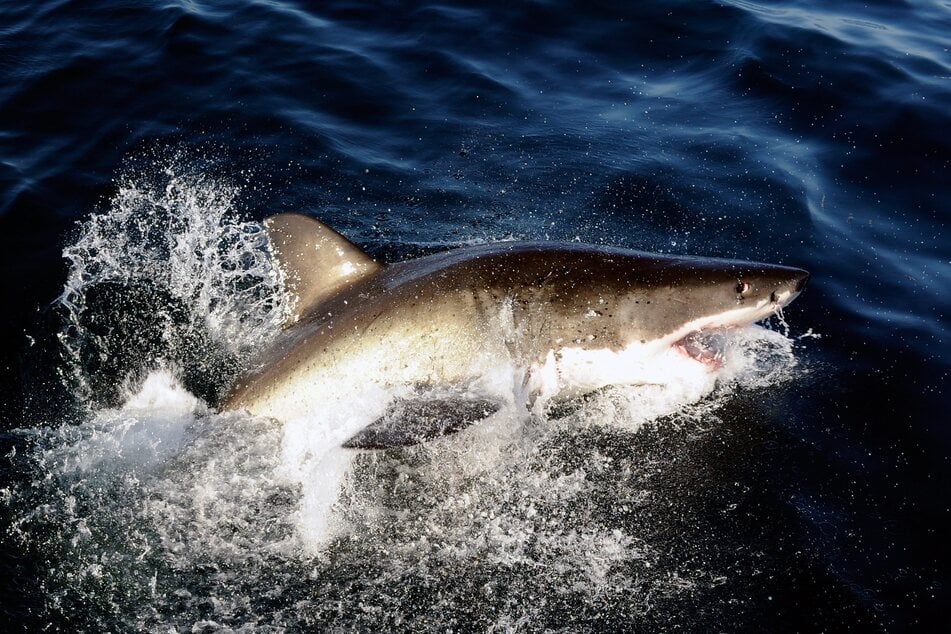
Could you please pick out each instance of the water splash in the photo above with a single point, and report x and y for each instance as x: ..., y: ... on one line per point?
x: 167, y: 273
x: 160, y: 514
x: 157, y: 513
x: 118, y: 511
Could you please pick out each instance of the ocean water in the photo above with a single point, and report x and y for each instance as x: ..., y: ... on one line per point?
x: 141, y: 144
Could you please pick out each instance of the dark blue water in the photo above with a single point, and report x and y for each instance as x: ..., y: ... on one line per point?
x: 808, y: 133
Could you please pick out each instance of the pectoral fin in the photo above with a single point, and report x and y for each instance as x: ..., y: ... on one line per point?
x: 414, y: 420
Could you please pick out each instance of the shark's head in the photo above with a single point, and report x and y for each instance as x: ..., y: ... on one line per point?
x: 606, y: 316
x: 571, y: 296
x: 685, y: 302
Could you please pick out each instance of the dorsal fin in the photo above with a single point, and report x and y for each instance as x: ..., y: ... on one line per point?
x: 317, y: 261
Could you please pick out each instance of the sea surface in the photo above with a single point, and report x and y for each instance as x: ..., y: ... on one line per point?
x: 141, y: 144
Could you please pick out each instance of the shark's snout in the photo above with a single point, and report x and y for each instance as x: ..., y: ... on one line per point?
x: 802, y: 281
x: 787, y: 285
x: 796, y: 285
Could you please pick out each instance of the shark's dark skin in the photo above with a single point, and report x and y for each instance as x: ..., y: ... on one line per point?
x: 442, y: 318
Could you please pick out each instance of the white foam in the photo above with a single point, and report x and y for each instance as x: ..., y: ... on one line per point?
x: 647, y: 382
x: 149, y: 427
x: 162, y: 394
x: 312, y: 456
x: 201, y: 507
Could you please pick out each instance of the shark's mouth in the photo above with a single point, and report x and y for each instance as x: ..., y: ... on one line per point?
x: 707, y: 340
x: 708, y: 345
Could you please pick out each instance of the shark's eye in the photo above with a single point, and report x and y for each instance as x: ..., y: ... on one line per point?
x: 742, y: 287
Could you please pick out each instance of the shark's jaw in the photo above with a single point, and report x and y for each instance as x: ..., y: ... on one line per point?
x: 695, y: 348
x: 703, y: 339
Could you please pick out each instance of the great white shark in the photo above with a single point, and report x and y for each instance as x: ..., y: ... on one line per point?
x: 567, y: 318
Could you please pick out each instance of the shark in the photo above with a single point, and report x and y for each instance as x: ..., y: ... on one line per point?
x: 565, y: 319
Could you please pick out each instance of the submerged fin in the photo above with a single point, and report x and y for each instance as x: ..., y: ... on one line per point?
x: 317, y: 261
x: 411, y: 421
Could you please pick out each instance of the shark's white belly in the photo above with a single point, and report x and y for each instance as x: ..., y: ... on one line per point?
x: 436, y: 353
